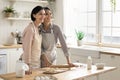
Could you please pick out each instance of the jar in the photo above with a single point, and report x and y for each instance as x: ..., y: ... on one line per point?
x: 21, y: 67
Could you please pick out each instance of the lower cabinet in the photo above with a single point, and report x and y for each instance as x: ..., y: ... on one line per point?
x: 61, y: 59
x: 111, y: 60
x: 12, y: 56
x: 76, y: 58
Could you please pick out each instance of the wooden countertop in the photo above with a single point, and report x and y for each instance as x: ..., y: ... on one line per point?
x: 81, y: 73
x: 10, y: 46
x: 16, y: 46
x: 74, y: 73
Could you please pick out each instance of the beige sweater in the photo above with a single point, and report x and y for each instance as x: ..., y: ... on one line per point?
x: 28, y: 36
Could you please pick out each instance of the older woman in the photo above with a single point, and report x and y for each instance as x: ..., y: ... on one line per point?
x: 50, y: 35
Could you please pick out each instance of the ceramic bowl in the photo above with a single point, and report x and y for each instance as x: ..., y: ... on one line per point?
x: 100, y: 65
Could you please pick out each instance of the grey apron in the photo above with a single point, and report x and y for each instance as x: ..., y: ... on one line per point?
x: 49, y: 47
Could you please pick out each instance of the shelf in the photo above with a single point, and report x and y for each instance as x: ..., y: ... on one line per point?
x: 27, y: 19
x: 35, y: 1
x: 12, y: 18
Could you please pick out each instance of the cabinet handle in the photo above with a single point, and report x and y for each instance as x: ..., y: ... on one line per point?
x: 77, y: 61
x: 112, y: 56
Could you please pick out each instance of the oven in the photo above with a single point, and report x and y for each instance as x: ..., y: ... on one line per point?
x: 3, y: 61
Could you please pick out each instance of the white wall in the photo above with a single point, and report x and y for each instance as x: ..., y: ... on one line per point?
x: 70, y: 20
x: 59, y: 13
x: 6, y: 27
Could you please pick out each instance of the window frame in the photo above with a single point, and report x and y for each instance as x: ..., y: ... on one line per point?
x: 99, y: 28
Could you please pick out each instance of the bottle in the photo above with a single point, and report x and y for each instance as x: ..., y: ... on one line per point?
x: 21, y: 67
x: 89, y: 63
x: 15, y: 40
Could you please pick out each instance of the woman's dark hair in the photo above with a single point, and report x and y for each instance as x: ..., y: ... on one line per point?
x: 47, y: 8
x: 35, y: 11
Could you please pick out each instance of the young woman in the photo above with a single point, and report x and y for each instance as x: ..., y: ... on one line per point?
x: 50, y: 35
x: 32, y: 39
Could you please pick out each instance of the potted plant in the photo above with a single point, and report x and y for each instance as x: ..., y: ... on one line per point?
x: 113, y: 4
x: 80, y: 36
x: 8, y: 11
x: 51, y: 0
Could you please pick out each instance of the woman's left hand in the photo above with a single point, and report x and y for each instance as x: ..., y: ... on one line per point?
x: 71, y: 65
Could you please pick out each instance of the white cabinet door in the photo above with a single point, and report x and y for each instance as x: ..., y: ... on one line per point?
x: 12, y: 56
x: 61, y: 59
x: 78, y: 58
x: 111, y: 60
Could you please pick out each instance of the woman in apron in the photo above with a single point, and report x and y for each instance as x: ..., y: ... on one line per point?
x: 32, y: 39
x: 50, y: 35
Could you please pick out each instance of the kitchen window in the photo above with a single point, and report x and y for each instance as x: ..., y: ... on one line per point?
x: 96, y: 18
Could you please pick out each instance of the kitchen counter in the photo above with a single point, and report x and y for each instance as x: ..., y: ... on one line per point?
x: 10, y: 46
x: 74, y: 73
x: 16, y: 46
x: 102, y: 50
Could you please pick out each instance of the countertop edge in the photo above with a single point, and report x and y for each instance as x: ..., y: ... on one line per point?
x: 102, y: 50
x: 11, y: 46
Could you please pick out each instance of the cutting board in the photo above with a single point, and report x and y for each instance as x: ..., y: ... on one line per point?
x: 54, y: 70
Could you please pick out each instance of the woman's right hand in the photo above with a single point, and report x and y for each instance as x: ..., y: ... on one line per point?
x: 28, y: 72
x: 47, y: 63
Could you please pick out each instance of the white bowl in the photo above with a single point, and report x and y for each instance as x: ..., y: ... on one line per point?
x: 100, y: 65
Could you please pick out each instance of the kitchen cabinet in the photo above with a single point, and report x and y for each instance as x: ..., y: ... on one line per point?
x: 3, y: 61
x: 12, y: 56
x: 81, y: 55
x: 83, y: 59
x: 61, y: 59
x: 76, y: 57
x: 111, y: 60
